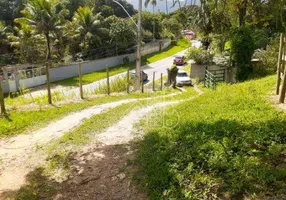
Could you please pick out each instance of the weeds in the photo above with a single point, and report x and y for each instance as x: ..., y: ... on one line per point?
x: 228, y: 143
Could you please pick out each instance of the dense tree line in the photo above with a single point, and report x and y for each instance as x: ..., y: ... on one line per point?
x: 35, y: 30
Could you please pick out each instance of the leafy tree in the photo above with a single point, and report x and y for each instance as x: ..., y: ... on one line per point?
x: 28, y: 45
x: 45, y: 16
x: 172, y: 28
x: 117, y: 10
x: 148, y: 19
x: 3, y: 37
x: 122, y: 32
x: 153, y: 3
x: 3, y: 34
x: 10, y: 9
x: 242, y: 48
x: 88, y: 27
x: 73, y: 5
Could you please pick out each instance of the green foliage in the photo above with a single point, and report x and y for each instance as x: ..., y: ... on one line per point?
x: 122, y: 32
x: 172, y: 28
x: 28, y: 45
x: 260, y: 39
x: 228, y: 142
x: 117, y: 85
x: 148, y: 19
x: 200, y: 56
x: 242, y: 48
x: 44, y: 17
x: 267, y: 58
x: 88, y: 27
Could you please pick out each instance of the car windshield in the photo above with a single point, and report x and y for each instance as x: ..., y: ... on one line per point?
x: 178, y: 57
x: 182, y: 74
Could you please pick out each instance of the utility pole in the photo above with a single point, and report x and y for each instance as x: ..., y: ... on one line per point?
x: 138, y: 56
x: 153, y: 23
x: 167, y: 10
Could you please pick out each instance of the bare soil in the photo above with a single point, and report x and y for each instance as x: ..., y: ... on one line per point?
x: 102, y: 173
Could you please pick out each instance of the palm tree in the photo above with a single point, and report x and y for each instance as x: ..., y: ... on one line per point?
x: 45, y: 16
x: 153, y: 2
x: 88, y: 26
x: 3, y: 34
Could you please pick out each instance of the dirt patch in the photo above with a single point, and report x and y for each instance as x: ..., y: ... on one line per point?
x: 274, y: 99
x: 102, y: 173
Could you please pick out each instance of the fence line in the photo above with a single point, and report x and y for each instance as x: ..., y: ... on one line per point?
x: 35, y: 76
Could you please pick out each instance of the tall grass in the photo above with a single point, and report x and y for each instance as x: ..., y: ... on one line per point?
x: 227, y: 144
x: 119, y: 84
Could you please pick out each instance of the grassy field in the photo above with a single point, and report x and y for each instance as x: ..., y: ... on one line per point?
x: 59, y: 151
x: 26, y: 121
x: 226, y: 144
x: 95, y: 76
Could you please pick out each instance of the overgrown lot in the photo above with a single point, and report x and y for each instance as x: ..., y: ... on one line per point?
x: 228, y: 144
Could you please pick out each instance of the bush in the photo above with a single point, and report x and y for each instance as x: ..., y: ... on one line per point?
x: 242, y: 48
x: 267, y: 58
x: 200, y: 56
x: 260, y: 39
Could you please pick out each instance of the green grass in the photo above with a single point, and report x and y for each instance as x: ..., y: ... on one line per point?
x: 59, y: 152
x: 95, y: 76
x: 27, y: 121
x: 226, y: 144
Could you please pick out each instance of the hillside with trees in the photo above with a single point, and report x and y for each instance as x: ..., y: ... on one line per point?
x: 37, y: 30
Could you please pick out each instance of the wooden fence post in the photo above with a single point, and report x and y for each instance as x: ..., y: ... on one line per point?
x: 142, y: 86
x: 283, y: 90
x: 2, y: 101
x: 279, y: 64
x: 153, y: 81
x: 128, y: 83
x: 48, y: 83
x: 161, y: 81
x: 80, y: 80
x: 108, y: 84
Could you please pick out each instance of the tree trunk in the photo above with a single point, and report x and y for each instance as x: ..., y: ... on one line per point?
x: 242, y: 12
x: 48, y: 45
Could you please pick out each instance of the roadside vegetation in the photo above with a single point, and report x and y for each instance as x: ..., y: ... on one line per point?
x: 228, y: 143
x: 24, y: 121
x: 176, y: 47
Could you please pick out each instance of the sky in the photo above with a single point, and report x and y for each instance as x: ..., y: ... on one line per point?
x: 161, y: 5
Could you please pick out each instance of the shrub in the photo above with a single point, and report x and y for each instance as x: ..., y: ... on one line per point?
x: 200, y: 56
x: 260, y: 39
x: 267, y: 58
x: 242, y: 48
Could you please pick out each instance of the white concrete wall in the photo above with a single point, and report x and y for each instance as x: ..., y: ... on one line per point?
x: 31, y: 82
x: 68, y: 71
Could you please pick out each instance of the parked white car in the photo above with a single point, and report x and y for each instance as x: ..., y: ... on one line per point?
x: 183, y: 78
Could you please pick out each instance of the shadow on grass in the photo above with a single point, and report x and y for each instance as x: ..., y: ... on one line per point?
x: 224, y: 159
x: 100, y: 173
